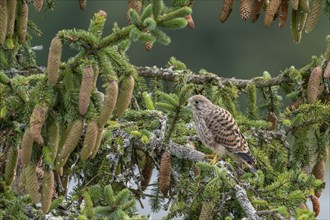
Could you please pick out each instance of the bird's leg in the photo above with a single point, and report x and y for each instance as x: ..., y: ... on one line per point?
x: 213, y: 158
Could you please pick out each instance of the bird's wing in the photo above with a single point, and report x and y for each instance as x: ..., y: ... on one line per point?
x: 225, y: 131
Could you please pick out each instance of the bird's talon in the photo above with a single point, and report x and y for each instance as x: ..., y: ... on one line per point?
x: 209, y: 156
x: 212, y: 158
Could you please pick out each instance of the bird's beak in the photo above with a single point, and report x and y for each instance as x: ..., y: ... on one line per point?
x: 189, y: 103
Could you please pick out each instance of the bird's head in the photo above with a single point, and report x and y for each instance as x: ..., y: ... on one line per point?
x: 198, y: 103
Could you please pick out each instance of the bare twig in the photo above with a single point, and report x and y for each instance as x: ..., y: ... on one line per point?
x: 271, y: 212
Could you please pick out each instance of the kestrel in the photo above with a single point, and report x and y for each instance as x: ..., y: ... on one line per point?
x: 218, y: 131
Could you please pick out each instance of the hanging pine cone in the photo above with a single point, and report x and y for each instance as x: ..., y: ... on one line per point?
x: 82, y: 4
x: 86, y: 88
x: 294, y: 4
x: 226, y: 10
x: 47, y: 190
x: 314, y: 15
x: 316, y: 205
x: 256, y: 8
x: 109, y: 103
x: 26, y: 147
x: 124, y: 96
x: 22, y: 22
x: 283, y: 15
x: 38, y: 4
x: 147, y: 173
x: 271, y: 10
x: 70, y: 143
x: 89, y: 141
x: 314, y: 84
x: 136, y: 5
x: 11, y: 164
x: 11, y: 13
x: 97, y: 143
x: 326, y: 73
x: 245, y: 9
x: 37, y: 120
x: 3, y: 21
x: 165, y: 173
x: 207, y: 210
x: 54, y: 139
x: 148, y: 45
x: 31, y: 182
x: 54, y: 60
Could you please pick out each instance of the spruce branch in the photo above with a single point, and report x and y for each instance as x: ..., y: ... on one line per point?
x: 170, y: 74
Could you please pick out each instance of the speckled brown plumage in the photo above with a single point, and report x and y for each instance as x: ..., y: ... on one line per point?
x: 217, y: 130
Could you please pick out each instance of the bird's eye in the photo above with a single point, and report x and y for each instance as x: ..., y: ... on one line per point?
x: 196, y: 102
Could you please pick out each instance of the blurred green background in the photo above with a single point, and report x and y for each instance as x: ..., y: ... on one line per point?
x: 235, y: 49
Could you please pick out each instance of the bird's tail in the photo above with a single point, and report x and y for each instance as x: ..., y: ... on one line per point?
x: 253, y: 169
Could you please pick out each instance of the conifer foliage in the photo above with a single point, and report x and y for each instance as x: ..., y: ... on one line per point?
x: 57, y: 125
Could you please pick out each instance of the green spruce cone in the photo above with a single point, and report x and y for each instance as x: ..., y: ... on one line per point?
x: 37, y: 120
x: 109, y: 103
x: 11, y: 164
x: 3, y: 21
x: 296, y: 34
x: 38, y: 4
x: 54, y: 60
x: 301, y: 18
x: 97, y: 142
x: 11, y: 12
x: 86, y: 88
x: 70, y: 143
x: 31, y: 182
x: 54, y: 139
x: 124, y: 96
x: 22, y: 22
x: 89, y: 141
x: 47, y: 190
x: 26, y: 147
